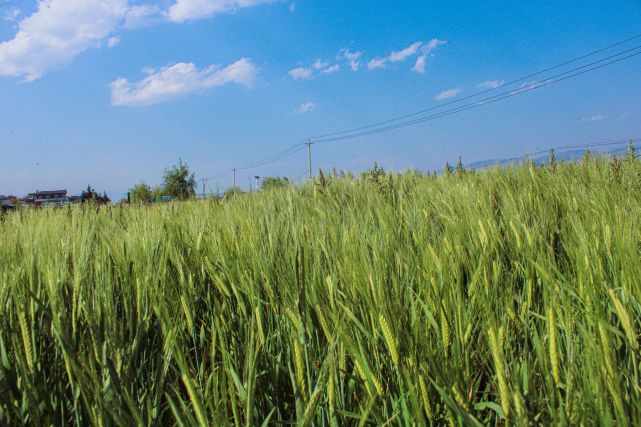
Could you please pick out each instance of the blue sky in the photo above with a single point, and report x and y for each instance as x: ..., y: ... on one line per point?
x: 111, y: 92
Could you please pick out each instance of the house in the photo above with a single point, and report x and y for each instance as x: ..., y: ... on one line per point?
x: 52, y: 197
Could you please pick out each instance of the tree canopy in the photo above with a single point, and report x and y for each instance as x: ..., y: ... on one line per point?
x: 141, y: 193
x: 178, y: 182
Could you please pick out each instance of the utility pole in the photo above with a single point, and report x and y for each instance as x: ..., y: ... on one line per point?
x: 204, y: 180
x: 309, y: 158
x: 257, y: 182
x: 234, y: 177
x: 250, y: 183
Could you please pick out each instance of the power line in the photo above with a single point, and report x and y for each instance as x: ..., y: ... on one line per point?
x: 520, y: 79
x: 273, y: 158
x: 504, y: 95
x: 488, y: 100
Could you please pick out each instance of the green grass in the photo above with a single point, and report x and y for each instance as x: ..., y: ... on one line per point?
x: 503, y: 296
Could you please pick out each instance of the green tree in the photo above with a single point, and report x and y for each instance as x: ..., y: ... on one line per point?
x: 178, y: 182
x: 272, y: 182
x: 141, y: 193
x: 632, y: 154
x: 459, y: 167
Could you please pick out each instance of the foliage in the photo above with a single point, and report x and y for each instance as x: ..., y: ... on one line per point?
x: 272, y: 182
x: 91, y: 196
x: 505, y: 297
x: 141, y: 193
x: 460, y: 170
x: 178, y: 182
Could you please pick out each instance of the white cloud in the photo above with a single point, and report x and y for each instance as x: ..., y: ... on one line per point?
x: 405, y: 53
x: 306, y: 107
x: 450, y: 93
x: 50, y: 38
x: 189, y: 10
x: 422, y: 48
x: 141, y: 16
x: 10, y: 14
x: 594, y: 118
x: 329, y: 70
x: 113, y: 41
x: 352, y: 58
x: 419, y: 66
x: 307, y: 73
x: 300, y: 73
x: 319, y: 65
x: 179, y: 80
x: 490, y: 84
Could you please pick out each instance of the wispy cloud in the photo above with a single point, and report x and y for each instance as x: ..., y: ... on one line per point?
x: 448, y: 94
x: 399, y: 56
x: 143, y: 15
x: 420, y: 64
x: 352, y: 58
x: 300, y: 73
x: 490, y: 84
x: 179, y: 80
x: 10, y: 14
x: 422, y: 49
x: 306, y: 73
x: 594, y: 118
x: 329, y: 70
x: 189, y: 10
x: 306, y: 107
x: 319, y: 65
x: 113, y: 41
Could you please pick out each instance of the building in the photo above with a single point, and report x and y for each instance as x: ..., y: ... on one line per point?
x: 41, y: 198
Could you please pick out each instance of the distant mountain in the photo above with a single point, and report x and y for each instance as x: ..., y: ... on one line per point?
x: 565, y: 156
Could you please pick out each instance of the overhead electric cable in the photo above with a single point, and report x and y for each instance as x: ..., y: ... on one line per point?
x: 504, y: 95
x: 275, y: 157
x: 520, y: 79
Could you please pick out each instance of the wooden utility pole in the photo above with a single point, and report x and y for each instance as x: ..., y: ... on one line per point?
x: 309, y: 158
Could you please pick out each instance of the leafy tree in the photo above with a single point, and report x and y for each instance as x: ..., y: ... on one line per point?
x: 178, y: 182
x: 141, y: 193
x: 273, y: 182
x: 90, y: 195
x: 459, y: 166
x: 156, y: 193
x: 632, y: 154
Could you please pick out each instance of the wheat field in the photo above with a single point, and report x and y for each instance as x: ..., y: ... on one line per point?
x: 503, y: 296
